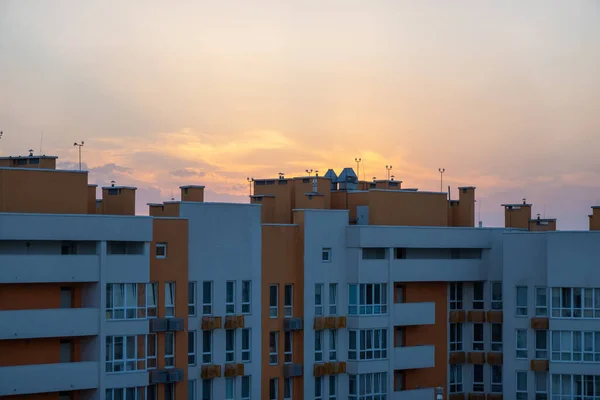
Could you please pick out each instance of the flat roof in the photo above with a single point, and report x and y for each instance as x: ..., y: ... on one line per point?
x: 516, y: 205
x: 22, y: 157
x: 119, y: 187
x: 192, y: 187
x: 43, y: 170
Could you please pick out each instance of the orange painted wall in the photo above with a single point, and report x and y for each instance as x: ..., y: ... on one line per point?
x: 517, y: 218
x: 466, y: 207
x: 119, y: 204
x: 407, y: 208
x: 27, y: 296
x: 91, y: 199
x: 595, y: 219
x: 535, y: 227
x: 436, y: 335
x: 35, y: 351
x: 174, y: 268
x: 284, y: 198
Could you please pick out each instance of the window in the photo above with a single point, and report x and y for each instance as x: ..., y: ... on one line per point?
x: 496, y: 375
x: 576, y: 346
x: 126, y: 301
x: 169, y: 391
x: 496, y: 295
x: 122, y: 354
x: 287, y: 347
x: 151, y: 392
x: 478, y: 385
x: 456, y: 378
x: 367, y: 386
x: 273, y: 300
x: 521, y: 343
x: 191, y: 347
x: 367, y: 299
x: 169, y: 299
x: 371, y: 344
x: 318, y: 388
x: 207, y: 297
x: 246, y: 345
x: 229, y: 388
x: 288, y: 296
x: 246, y: 293
x: 191, y: 298
x: 116, y: 394
x: 575, y: 303
x: 567, y: 387
x: 333, y: 344
x: 496, y: 337
x: 478, y: 302
x: 541, y: 344
x: 273, y: 346
x: 230, y: 298
x: 521, y: 385
x: 191, y: 390
x: 374, y: 253
x: 326, y: 255
x: 456, y: 337
x: 333, y: 387
x: 318, y: 346
x: 288, y: 388
x: 541, y: 302
x: 541, y: 386
x: 318, y: 299
x: 521, y: 301
x: 151, y: 350
x: 206, y: 389
x: 169, y: 350
x: 456, y: 296
x: 273, y: 389
x: 151, y: 289
x: 333, y: 298
x: 246, y: 380
x: 161, y: 251
x: 206, y: 347
x: 399, y: 290
x: 478, y: 337
x: 229, y: 346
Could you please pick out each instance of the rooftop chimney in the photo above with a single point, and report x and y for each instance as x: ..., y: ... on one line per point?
x: 192, y: 193
x: 118, y: 200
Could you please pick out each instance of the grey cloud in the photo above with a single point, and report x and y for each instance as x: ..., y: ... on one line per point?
x: 71, y: 165
x: 186, y: 173
x: 111, y: 169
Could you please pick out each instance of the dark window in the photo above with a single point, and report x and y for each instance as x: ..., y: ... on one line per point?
x: 374, y: 253
x: 259, y: 183
x: 68, y: 248
x: 121, y: 248
x: 113, y: 192
x: 400, y: 253
x: 393, y: 184
x: 305, y: 180
x: 34, y: 161
x: 270, y: 182
x: 20, y: 161
x: 283, y: 182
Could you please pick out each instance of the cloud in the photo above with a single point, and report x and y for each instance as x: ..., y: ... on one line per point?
x: 187, y: 173
x: 111, y: 168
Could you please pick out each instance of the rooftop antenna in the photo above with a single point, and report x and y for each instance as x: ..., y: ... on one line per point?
x: 388, y: 169
x: 41, y: 141
x: 250, y: 180
x: 524, y: 200
x: 479, y: 212
x: 357, y: 161
x: 374, y: 178
x: 30, y: 152
x: 449, y: 194
x: 79, y: 145
x: 309, y: 172
x: 317, y: 173
x: 281, y: 175
x: 442, y: 170
x: 392, y: 179
x: 112, y: 183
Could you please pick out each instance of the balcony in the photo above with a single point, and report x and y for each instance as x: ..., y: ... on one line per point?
x: 476, y: 316
x: 292, y: 324
x: 233, y: 370
x: 55, y: 322
x: 211, y: 323
x: 408, y: 314
x: 414, y: 357
x: 456, y: 316
x: 450, y: 270
x: 476, y: 358
x: 234, y: 322
x: 292, y: 370
x: 495, y: 358
x: 540, y: 323
x: 457, y: 357
x: 210, y: 372
x: 136, y: 268
x: 49, y: 268
x: 540, y: 365
x: 322, y: 323
x: 43, y: 378
x: 414, y: 394
x: 495, y: 317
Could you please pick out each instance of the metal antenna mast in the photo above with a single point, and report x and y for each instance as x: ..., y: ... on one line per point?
x: 250, y: 180
x: 388, y: 169
x: 357, y: 161
x: 442, y: 170
x: 79, y: 145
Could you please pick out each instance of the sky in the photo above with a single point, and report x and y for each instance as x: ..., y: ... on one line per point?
x: 504, y: 95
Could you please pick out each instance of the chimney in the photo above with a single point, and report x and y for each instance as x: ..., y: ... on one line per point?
x: 192, y: 193
x: 517, y: 215
x: 466, y: 206
x: 595, y: 219
x: 118, y: 200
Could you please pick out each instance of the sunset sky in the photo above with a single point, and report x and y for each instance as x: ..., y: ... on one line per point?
x: 504, y: 95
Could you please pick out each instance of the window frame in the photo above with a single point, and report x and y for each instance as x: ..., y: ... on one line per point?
x: 246, y: 352
x: 478, y: 345
x: 541, y: 353
x: 457, y: 342
x: 274, y: 348
x: 496, y: 384
x: 192, y: 352
x: 246, y: 378
x: 273, y: 300
x: 247, y: 303
x: 541, y: 308
x: 288, y: 388
x: 456, y: 296
x: 207, y: 302
x: 161, y: 245
x: 230, y: 381
x: 125, y: 293
x: 333, y: 298
x: 326, y: 250
x: 333, y: 387
x: 319, y: 347
x: 456, y: 379
x: 360, y: 306
x: 127, y: 363
x: 478, y: 385
x: 478, y: 302
x: 377, y: 380
x: 149, y: 357
x: 521, y: 303
x: 496, y: 345
x: 332, y: 349
x: 171, y: 288
x: 273, y: 388
x: 319, y: 309
x: 152, y: 300
x: 521, y: 393
x: 359, y: 349
x: 521, y: 352
x: 192, y: 295
x: 207, y: 354
x: 288, y: 300
x: 580, y: 303
x: 230, y: 298
x: 288, y: 347
x: 496, y: 296
x: 170, y: 337
x: 230, y: 346
x: 318, y: 388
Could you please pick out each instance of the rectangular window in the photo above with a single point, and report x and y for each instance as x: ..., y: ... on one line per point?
x: 374, y: 253
x: 122, y: 354
x: 326, y: 255
x: 169, y: 299
x: 229, y: 346
x: 273, y: 389
x: 191, y: 298
x: 246, y: 345
x: 370, y: 343
x: 151, y: 350
x: 456, y: 378
x: 246, y: 380
x: 496, y: 378
x: 287, y: 347
x: 456, y: 337
x: 521, y: 301
x: 496, y: 292
x: 478, y: 384
x: 151, y: 296
x: 192, y: 348
x: 333, y: 388
x: 288, y: 388
x: 169, y: 350
x: 318, y: 388
x: 246, y: 293
x: 273, y: 300
x: 169, y: 391
x: 191, y: 391
x: 456, y: 296
x: 318, y: 346
x: 478, y: 344
x: 367, y: 299
x: 521, y: 385
x: 478, y: 299
x: 367, y: 386
x: 127, y: 301
x: 207, y: 298
x: 229, y: 388
x: 161, y: 251
x: 541, y: 302
x: 333, y: 298
x: 541, y: 386
x: 521, y: 347
x: 288, y: 298
x: 318, y: 299
x: 273, y: 348
x: 207, y: 347
x: 207, y: 389
x: 575, y: 303
x: 496, y: 338
x: 541, y: 344
x: 230, y: 298
x: 333, y: 344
